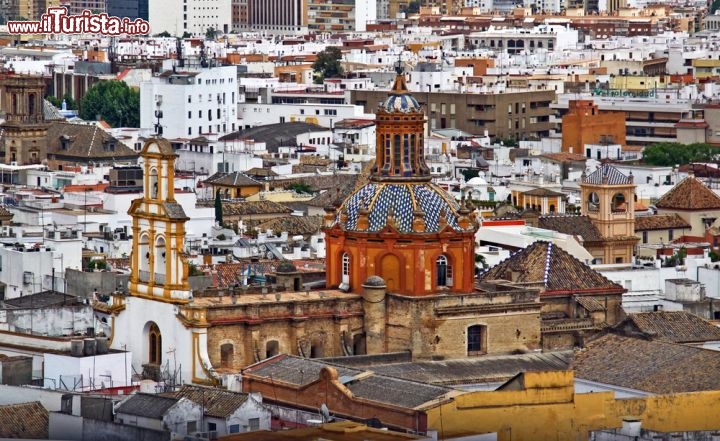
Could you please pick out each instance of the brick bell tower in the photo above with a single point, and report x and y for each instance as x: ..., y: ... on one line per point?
x: 23, y: 135
x: 400, y: 226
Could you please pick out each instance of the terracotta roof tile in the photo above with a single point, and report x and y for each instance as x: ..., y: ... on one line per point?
x: 673, y: 326
x: 689, y: 194
x: 550, y: 266
x: 254, y: 207
x: 27, y: 420
x: 294, y: 225
x: 235, y: 179
x: 578, y: 226
x: 83, y: 141
x: 646, y: 365
x: 217, y: 403
x: 660, y: 222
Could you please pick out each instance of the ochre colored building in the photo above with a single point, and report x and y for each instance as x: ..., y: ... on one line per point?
x: 585, y: 124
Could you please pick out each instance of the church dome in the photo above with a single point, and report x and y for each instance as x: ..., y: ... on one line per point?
x: 401, y: 201
x: 401, y: 103
x: 400, y: 99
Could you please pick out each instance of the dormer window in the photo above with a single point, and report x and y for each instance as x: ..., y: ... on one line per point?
x: 109, y: 146
x: 65, y: 142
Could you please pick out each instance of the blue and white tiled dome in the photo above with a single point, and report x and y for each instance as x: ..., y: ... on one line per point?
x: 401, y: 200
x: 401, y: 103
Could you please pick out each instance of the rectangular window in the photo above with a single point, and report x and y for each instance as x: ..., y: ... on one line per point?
x: 234, y: 428
x: 191, y: 426
x: 254, y: 424
x: 671, y: 234
x: 189, y: 114
x: 189, y: 130
x: 645, y: 236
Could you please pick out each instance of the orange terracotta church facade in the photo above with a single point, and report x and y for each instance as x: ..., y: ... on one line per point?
x: 400, y: 226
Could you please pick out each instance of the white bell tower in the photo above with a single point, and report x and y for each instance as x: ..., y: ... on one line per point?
x: 159, y: 267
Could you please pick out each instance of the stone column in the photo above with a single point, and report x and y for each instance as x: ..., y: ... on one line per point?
x: 375, y: 314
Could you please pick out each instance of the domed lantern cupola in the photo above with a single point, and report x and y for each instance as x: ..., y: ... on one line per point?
x: 400, y: 125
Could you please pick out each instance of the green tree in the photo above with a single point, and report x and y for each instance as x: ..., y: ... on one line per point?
x: 413, y: 7
x: 163, y: 34
x: 211, y: 33
x: 112, y: 101
x: 470, y: 173
x: 675, y: 153
x: 300, y: 188
x: 218, y: 209
x: 327, y: 64
x: 55, y: 101
x: 714, y: 6
x: 186, y: 34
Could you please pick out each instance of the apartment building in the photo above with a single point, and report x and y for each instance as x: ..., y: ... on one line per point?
x: 340, y: 15
x: 512, y: 113
x: 192, y: 16
x: 192, y: 103
x: 271, y: 16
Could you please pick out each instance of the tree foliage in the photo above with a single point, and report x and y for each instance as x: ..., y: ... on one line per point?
x: 211, y: 33
x: 218, y: 209
x: 413, y: 7
x: 675, y: 153
x: 300, y: 188
x: 714, y: 6
x: 327, y: 64
x: 162, y: 34
x: 57, y: 102
x: 112, y: 101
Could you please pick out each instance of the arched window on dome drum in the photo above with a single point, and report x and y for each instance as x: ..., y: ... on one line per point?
x: 413, y: 149
x: 346, y: 268
x: 396, y: 154
x: 444, y: 271
x: 407, y: 168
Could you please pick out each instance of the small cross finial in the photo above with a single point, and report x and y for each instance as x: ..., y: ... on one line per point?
x: 398, y: 66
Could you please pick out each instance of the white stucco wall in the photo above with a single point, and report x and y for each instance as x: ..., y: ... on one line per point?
x: 99, y: 371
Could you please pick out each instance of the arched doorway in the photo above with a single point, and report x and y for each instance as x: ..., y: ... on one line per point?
x: 390, y: 271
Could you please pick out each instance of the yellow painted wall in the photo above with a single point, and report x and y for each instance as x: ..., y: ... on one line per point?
x: 546, y: 408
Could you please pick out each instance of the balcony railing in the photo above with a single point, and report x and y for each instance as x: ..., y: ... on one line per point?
x: 144, y: 276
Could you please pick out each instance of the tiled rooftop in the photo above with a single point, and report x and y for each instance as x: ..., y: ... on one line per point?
x: 646, y: 365
x: 577, y: 226
x: 660, y: 222
x: 369, y: 386
x: 613, y: 175
x: 673, y: 326
x: 689, y: 194
x: 552, y: 267
x: 26, y: 420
